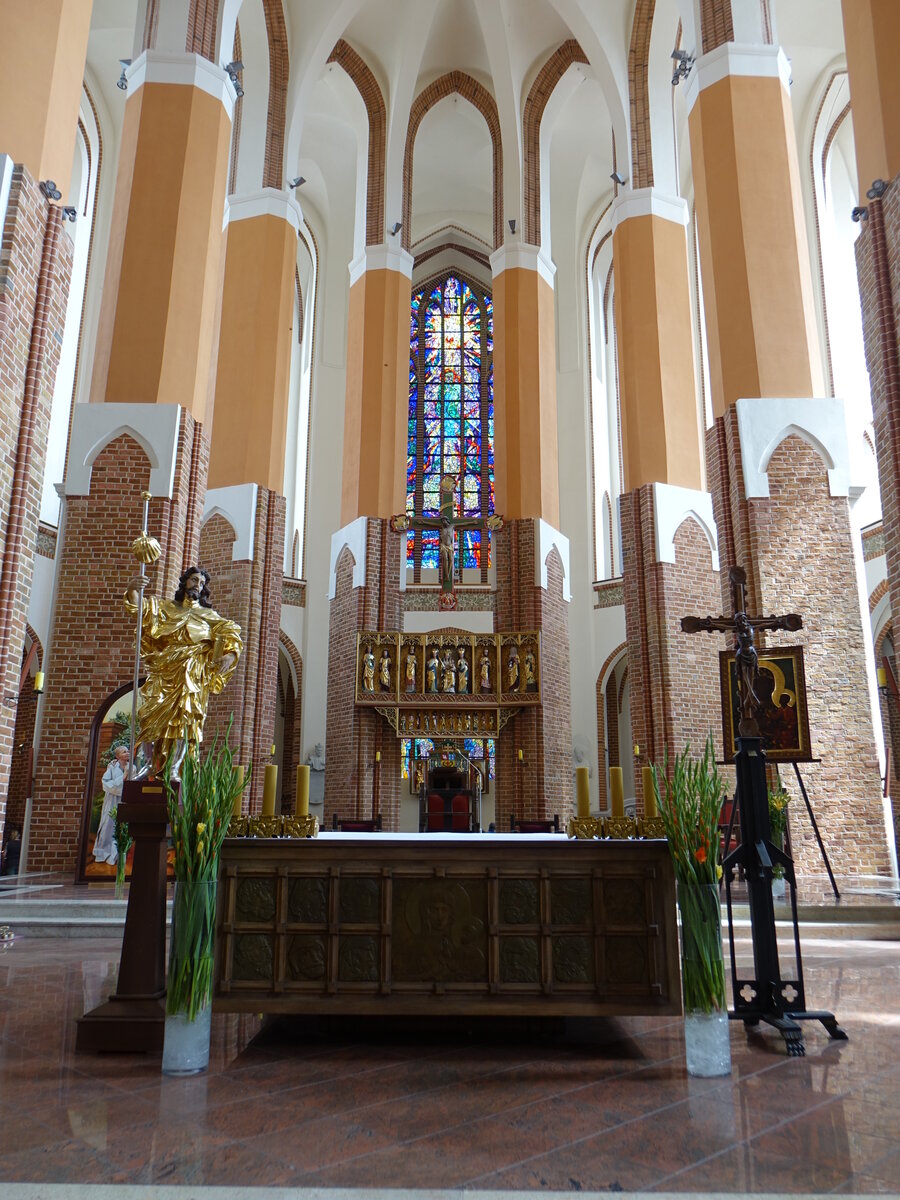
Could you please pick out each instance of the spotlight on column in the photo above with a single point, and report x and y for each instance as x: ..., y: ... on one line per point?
x: 683, y: 63
x: 232, y: 70
x: 49, y: 190
x: 122, y: 82
x: 860, y: 213
x: 512, y: 224
x: 617, y: 178
x: 70, y: 212
x: 396, y: 227
x: 877, y: 190
x: 297, y: 181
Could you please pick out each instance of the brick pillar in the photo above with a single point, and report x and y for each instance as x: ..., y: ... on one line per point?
x: 787, y: 521
x: 91, y: 647
x: 532, y: 593
x: 35, y: 268
x: 365, y: 594
x: 671, y: 562
x: 242, y: 545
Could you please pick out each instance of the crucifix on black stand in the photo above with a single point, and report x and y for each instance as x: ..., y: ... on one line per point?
x: 767, y: 997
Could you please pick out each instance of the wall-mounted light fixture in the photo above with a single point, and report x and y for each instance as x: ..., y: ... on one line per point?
x: 122, y: 82
x: 232, y: 70
x: 70, y: 212
x: 859, y: 213
x: 39, y: 683
x: 512, y: 224
x: 49, y: 190
x: 297, y: 181
x: 396, y: 227
x: 683, y: 63
x: 617, y: 178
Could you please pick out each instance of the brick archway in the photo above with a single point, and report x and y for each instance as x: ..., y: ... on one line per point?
x: 293, y: 711
x: 470, y: 89
x: 639, y: 94
x: 367, y: 85
x: 541, y: 90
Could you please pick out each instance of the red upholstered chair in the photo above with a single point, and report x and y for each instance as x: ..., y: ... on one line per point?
x: 461, y: 820
x: 435, y: 820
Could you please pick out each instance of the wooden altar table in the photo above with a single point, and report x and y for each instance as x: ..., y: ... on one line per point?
x: 464, y: 924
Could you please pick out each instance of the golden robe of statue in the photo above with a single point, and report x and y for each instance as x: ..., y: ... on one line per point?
x: 189, y: 653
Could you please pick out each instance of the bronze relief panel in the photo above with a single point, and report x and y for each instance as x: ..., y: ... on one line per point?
x: 306, y: 957
x: 520, y: 960
x: 624, y: 902
x: 252, y: 957
x: 358, y: 959
x: 438, y: 930
x: 573, y: 960
x: 308, y: 900
x: 255, y: 900
x: 570, y: 902
x: 360, y: 902
x: 519, y: 902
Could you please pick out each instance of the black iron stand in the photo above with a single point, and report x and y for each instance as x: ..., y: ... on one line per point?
x: 767, y: 997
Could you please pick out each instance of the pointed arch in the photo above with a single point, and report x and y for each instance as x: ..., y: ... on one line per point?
x: 540, y: 92
x: 367, y: 85
x: 478, y: 95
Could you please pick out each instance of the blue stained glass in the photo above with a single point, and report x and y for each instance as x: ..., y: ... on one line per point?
x: 410, y: 546
x: 429, y: 549
x: 411, y: 505
x: 448, y: 351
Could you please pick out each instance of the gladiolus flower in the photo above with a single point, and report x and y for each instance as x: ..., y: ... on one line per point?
x: 700, y: 854
x: 200, y: 827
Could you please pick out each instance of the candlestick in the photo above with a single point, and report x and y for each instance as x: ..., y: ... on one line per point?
x: 269, y: 788
x: 301, y: 805
x: 617, y: 791
x: 582, y: 792
x: 239, y: 798
x: 521, y: 755
x: 651, y: 809
x: 378, y: 756
x: 39, y: 681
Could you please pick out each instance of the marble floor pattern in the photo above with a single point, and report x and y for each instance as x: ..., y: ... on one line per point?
x: 496, y: 1106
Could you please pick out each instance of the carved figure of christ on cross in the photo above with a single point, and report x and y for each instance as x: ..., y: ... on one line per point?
x: 446, y: 524
x: 745, y: 655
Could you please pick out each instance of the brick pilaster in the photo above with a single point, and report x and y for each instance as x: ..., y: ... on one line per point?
x: 352, y: 781
x: 796, y: 547
x: 35, y: 270
x: 543, y: 785
x: 673, y: 676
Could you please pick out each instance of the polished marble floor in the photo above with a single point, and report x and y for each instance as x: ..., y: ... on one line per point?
x: 593, y: 1106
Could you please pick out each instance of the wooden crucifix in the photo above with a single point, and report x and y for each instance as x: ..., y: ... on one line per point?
x: 746, y: 658
x: 447, y: 523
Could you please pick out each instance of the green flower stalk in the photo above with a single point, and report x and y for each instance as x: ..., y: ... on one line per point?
x: 199, y: 818
x: 690, y: 803
x: 124, y: 841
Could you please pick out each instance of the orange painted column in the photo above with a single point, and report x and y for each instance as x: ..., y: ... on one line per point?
x: 525, y: 430
x: 159, y: 320
x: 872, y: 40
x: 654, y: 336
x: 377, y: 398
x: 757, y: 283
x: 254, y: 360
x: 44, y: 48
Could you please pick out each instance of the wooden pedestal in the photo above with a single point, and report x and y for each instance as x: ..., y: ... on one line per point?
x: 133, y: 1019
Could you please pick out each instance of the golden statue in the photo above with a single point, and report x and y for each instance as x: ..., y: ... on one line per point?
x: 189, y: 653
x: 368, y: 678
x: 384, y: 671
x: 512, y: 671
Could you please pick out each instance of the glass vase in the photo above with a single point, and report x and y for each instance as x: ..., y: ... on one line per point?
x: 706, y: 1033
x: 190, y: 980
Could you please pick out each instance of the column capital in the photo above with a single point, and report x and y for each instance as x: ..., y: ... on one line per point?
x: 737, y: 58
x: 353, y: 536
x: 764, y: 423
x: 186, y: 70
x: 671, y: 507
x: 381, y: 257
x: 522, y: 256
x: 649, y: 202
x: 155, y: 427
x: 237, y: 504
x: 267, y: 202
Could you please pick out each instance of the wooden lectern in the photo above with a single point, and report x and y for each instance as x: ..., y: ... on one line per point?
x: 133, y: 1019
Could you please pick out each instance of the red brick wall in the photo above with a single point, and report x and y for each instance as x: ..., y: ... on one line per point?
x: 293, y: 720
x: 91, y: 649
x: 544, y: 785
x: 807, y: 566
x: 673, y: 676
x: 35, y: 262
x: 19, y: 775
x: 353, y: 735
x: 250, y: 594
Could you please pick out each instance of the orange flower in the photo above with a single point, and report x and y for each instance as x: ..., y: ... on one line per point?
x: 700, y: 854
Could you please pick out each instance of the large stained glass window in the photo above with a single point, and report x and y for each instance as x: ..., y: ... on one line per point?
x: 475, y: 749
x: 451, y: 417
